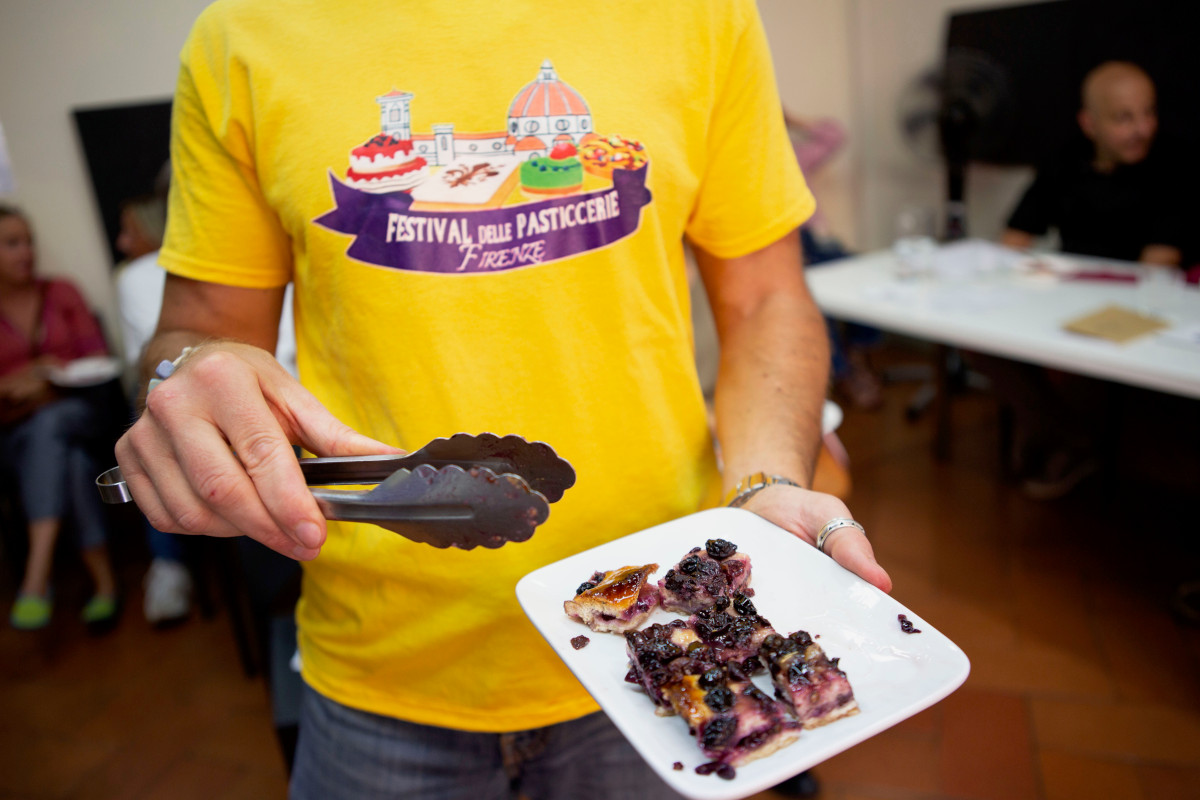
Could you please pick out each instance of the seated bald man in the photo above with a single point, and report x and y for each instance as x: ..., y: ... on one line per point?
x: 1110, y: 194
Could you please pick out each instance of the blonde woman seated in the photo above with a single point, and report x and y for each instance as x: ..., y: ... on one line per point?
x: 44, y: 434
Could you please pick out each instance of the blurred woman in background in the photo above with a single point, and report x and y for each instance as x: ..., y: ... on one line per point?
x: 45, y: 433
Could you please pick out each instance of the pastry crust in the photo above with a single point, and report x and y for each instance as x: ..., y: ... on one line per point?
x: 620, y: 600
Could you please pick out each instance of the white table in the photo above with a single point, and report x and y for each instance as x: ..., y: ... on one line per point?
x: 981, y: 297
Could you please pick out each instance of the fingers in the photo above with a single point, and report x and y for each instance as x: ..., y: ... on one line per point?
x: 256, y: 487
x: 213, y: 452
x: 276, y: 494
x: 165, y: 494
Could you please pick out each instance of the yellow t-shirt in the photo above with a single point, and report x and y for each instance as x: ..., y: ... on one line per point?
x: 395, y: 164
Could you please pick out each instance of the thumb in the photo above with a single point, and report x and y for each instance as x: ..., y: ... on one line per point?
x: 856, y: 554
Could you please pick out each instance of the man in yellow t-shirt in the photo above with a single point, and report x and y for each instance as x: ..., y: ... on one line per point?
x: 482, y: 209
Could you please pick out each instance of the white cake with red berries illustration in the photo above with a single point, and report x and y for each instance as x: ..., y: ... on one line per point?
x: 386, y: 163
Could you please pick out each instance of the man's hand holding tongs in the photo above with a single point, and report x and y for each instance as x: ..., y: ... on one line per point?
x: 212, y: 452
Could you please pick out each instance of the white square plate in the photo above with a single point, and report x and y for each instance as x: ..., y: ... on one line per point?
x: 84, y: 372
x: 894, y: 674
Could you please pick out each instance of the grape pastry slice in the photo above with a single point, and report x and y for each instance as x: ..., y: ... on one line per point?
x: 733, y: 721
x: 808, y: 680
x: 705, y: 574
x: 660, y: 654
x: 733, y: 630
x: 615, y: 601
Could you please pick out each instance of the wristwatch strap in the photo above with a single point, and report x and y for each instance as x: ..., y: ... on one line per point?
x: 751, y: 485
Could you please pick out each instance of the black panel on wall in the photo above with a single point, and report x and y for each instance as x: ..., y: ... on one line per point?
x: 125, y: 148
x: 1042, y: 51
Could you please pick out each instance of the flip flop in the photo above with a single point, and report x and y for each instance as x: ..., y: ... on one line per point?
x: 31, y: 612
x: 100, y: 609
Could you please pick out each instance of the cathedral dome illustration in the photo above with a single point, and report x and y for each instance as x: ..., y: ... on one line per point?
x: 548, y: 108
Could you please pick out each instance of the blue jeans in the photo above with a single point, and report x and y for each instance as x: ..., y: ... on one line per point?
x: 346, y: 753
x: 48, y: 455
x: 164, y: 545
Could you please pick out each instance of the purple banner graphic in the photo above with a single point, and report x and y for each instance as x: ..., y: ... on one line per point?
x: 388, y: 233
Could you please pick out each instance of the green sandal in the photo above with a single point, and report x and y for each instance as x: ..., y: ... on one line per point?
x: 100, y: 609
x: 31, y: 612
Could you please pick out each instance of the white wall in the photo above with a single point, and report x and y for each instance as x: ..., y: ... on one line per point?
x: 893, y: 43
x: 812, y: 47
x: 57, y: 55
x: 853, y: 59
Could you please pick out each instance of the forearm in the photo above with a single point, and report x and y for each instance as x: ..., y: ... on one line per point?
x: 24, y: 391
x: 774, y: 365
x: 770, y: 391
x: 1163, y: 255
x: 1017, y: 240
x: 28, y: 379
x: 194, y: 313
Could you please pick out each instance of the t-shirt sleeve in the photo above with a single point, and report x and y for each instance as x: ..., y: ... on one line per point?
x: 1034, y: 212
x: 220, y: 227
x: 751, y: 192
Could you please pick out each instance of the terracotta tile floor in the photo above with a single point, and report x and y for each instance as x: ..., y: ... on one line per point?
x: 1082, y: 684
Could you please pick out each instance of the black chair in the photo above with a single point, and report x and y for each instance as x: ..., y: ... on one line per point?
x: 262, y: 593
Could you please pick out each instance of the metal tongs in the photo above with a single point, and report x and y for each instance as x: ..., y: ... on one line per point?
x: 466, y: 491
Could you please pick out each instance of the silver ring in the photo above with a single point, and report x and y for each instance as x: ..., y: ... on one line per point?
x: 836, y: 524
x: 111, y: 484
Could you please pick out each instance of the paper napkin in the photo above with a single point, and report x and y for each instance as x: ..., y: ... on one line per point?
x: 1116, y: 324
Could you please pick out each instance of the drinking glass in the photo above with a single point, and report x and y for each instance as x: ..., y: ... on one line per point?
x: 1158, y: 289
x: 914, y: 244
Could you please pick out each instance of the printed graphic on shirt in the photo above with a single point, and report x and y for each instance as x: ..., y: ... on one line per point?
x: 546, y: 187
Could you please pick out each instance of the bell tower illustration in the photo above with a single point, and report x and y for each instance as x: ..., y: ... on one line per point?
x: 394, y: 117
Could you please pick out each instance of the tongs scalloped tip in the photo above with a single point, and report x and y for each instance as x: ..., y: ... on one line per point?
x: 471, y: 507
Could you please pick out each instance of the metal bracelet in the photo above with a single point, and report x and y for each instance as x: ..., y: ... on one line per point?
x: 836, y: 524
x: 753, y: 484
